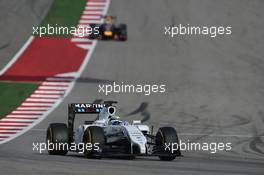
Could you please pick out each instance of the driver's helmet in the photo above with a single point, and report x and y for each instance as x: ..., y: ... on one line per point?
x: 115, y: 122
x: 108, y: 19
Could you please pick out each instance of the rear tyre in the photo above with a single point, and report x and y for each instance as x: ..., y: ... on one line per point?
x: 122, y: 33
x: 166, y: 136
x: 94, y: 141
x: 57, y: 139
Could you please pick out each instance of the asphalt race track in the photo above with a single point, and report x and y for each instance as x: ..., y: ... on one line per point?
x: 214, y: 90
x: 16, y: 20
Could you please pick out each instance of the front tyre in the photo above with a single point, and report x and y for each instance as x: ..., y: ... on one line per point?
x: 57, y: 139
x: 167, y: 136
x: 94, y: 141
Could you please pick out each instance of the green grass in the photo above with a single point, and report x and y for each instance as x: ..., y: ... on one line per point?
x: 13, y: 94
x: 64, y: 13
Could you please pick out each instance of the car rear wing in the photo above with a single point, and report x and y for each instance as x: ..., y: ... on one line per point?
x: 86, y: 108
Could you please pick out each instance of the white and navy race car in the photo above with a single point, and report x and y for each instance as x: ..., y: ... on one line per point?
x: 107, y: 135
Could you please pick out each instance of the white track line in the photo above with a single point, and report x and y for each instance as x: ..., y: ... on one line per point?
x: 95, y: 3
x: 8, y: 128
x: 22, y: 116
x: 48, y: 96
x: 27, y: 112
x: 18, y: 120
x: 14, y: 124
x: 85, y: 46
x: 92, y: 15
x: 19, y: 117
x: 32, y: 107
x: 3, y: 135
x: 82, y: 40
x: 41, y: 100
x: 88, y: 24
x: 49, y: 92
x: 36, y: 104
x: 88, y: 17
x: 89, y: 21
x: 94, y: 8
x: 87, y: 12
x: 55, y: 83
x: 52, y: 87
x: 12, y: 127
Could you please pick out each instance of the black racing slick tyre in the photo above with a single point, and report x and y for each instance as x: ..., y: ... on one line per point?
x: 57, y: 139
x: 164, y: 137
x: 122, y: 32
x: 94, y: 141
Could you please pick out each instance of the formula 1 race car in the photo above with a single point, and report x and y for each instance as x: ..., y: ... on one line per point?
x: 109, y: 30
x: 107, y: 135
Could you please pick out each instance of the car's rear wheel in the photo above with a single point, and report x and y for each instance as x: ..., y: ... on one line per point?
x: 94, y: 141
x: 164, y: 137
x: 122, y: 33
x: 57, y: 139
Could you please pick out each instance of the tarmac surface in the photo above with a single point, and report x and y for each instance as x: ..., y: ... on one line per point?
x: 214, y: 90
x: 17, y: 18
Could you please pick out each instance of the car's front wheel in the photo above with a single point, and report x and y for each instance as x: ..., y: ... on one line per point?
x: 94, y: 141
x: 57, y: 139
x: 165, y: 137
